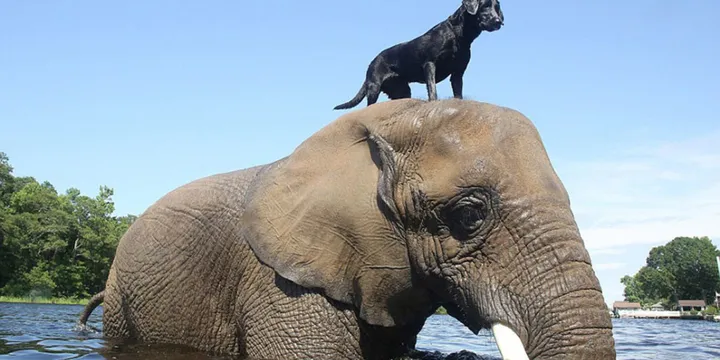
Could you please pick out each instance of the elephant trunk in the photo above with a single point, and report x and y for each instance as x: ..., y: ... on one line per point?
x: 559, y: 312
x: 575, y: 324
x: 578, y: 334
x: 564, y: 315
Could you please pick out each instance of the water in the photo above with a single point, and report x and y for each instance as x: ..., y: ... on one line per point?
x: 37, y: 331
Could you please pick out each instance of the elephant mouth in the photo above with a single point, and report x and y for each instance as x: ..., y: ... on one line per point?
x: 507, y: 340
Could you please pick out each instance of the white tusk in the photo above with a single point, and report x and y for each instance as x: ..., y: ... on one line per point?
x: 509, y: 344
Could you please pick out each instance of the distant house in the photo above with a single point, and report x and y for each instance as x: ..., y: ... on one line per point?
x: 621, y: 308
x: 657, y: 307
x: 689, y: 305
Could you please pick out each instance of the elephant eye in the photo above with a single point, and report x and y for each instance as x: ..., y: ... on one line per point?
x: 464, y: 216
x: 467, y: 217
x: 470, y: 216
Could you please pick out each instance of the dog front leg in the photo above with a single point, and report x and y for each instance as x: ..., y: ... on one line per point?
x: 456, y: 80
x: 430, y: 80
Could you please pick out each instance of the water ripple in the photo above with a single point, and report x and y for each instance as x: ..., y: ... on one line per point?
x: 39, y: 331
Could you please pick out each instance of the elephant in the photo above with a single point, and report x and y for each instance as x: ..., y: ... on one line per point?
x: 342, y: 249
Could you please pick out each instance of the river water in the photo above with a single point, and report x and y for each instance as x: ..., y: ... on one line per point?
x: 38, y: 331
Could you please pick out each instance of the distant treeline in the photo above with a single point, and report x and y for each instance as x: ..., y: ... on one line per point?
x: 51, y: 244
x: 683, y: 269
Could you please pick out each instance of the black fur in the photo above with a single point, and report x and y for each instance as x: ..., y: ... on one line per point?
x: 431, y: 57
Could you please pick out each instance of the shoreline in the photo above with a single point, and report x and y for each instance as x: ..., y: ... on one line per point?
x: 72, y: 301
x: 39, y: 300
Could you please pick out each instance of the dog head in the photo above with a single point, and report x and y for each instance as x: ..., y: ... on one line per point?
x: 488, y: 13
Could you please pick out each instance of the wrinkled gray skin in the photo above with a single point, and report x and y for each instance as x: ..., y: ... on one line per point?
x: 343, y: 249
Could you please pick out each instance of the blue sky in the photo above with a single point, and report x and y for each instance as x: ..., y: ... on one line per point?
x: 146, y: 96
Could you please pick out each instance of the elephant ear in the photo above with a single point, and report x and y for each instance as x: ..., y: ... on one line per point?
x: 324, y: 218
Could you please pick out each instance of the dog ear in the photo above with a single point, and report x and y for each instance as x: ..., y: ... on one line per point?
x: 471, y: 6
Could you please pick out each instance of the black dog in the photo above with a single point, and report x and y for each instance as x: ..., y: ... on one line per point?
x: 442, y: 51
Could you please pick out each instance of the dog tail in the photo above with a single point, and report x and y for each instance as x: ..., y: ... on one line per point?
x: 356, y: 100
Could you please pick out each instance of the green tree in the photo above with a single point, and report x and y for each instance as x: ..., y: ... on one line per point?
x: 38, y: 281
x: 633, y: 290
x: 656, y: 284
x: 684, y: 268
x: 54, y: 244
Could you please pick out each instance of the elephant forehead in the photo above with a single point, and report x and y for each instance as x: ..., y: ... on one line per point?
x: 442, y: 176
x: 485, y: 145
x: 524, y: 176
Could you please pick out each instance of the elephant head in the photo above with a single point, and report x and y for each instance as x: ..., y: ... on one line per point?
x: 406, y: 205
